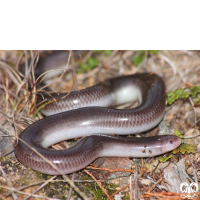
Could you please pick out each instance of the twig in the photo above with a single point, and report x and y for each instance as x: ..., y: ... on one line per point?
x: 53, y: 181
x: 135, y: 196
x: 121, y: 189
x: 70, y: 189
x: 46, y: 182
x: 111, y: 170
x: 167, y: 182
x: 157, y: 182
x: 24, y: 193
x: 99, y: 184
x: 131, y: 188
x: 8, y: 182
x: 8, y: 152
x: 164, y: 195
x: 194, y: 172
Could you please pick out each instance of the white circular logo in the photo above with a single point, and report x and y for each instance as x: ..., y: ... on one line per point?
x: 186, y: 188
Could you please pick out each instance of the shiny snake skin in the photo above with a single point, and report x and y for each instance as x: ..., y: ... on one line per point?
x: 85, y: 114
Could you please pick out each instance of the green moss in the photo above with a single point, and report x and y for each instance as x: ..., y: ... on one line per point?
x: 39, y: 175
x: 26, y: 181
x: 67, y: 187
x: 126, y: 195
x: 97, y: 191
x: 2, y: 190
x: 87, y: 177
x: 111, y: 187
x: 49, y: 176
x: 19, y: 167
x: 64, y: 197
x: 2, y: 159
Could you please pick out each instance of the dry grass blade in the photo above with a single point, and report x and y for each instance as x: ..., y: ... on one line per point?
x: 111, y: 170
x: 48, y: 181
x: 70, y: 189
x: 8, y: 182
x: 121, y: 189
x: 168, y: 196
x: 24, y: 193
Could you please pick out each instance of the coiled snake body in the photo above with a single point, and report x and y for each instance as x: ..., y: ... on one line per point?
x: 96, y: 124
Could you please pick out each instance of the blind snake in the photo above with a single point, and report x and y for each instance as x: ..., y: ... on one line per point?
x: 85, y: 114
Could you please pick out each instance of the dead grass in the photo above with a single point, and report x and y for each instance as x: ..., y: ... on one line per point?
x: 178, y: 68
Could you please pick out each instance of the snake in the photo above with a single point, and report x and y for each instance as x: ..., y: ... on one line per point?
x: 91, y: 114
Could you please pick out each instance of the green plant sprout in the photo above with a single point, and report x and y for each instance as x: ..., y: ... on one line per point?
x: 184, y: 93
x: 164, y: 159
x: 92, y: 62
x: 183, y: 148
x: 139, y: 56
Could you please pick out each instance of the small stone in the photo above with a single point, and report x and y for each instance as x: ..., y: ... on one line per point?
x: 191, y: 132
x: 198, y: 148
x: 171, y: 174
x: 114, y: 163
x: 146, y: 182
x: 190, y: 170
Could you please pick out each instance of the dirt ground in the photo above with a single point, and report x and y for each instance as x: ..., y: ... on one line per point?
x: 116, y: 178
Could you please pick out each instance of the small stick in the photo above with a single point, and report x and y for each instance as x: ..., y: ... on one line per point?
x: 99, y: 184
